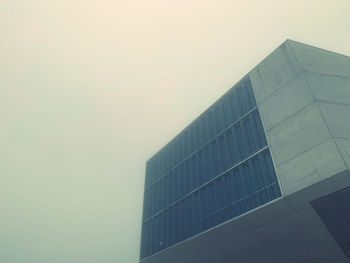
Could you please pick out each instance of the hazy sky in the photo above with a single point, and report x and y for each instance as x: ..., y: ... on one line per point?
x: 89, y: 90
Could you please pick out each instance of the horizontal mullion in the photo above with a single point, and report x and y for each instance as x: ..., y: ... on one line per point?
x: 205, y: 184
x: 202, y: 146
x: 239, y: 200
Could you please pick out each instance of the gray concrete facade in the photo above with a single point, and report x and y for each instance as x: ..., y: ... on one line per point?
x: 303, y: 96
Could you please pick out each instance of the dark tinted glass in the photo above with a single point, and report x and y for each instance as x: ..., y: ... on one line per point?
x: 334, y: 210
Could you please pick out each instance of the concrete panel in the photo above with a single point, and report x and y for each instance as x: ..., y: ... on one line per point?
x: 344, y: 147
x: 337, y: 117
x: 318, y: 60
x: 310, y: 167
x: 302, y: 198
x: 273, y: 72
x: 298, y: 134
x: 329, y: 88
x: 291, y: 86
x: 292, y: 244
x: 279, y: 105
x: 306, y: 236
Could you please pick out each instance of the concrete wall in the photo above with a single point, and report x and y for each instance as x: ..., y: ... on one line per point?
x: 303, y: 95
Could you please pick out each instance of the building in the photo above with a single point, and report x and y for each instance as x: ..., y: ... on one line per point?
x: 263, y: 174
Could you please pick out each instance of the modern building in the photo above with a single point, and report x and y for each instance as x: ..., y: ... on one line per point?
x: 263, y: 174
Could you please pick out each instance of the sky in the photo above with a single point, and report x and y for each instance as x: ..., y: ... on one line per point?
x: 89, y: 90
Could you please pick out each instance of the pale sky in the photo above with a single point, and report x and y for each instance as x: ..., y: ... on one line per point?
x: 89, y: 90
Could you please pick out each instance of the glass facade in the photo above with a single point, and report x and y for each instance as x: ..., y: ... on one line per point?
x: 217, y: 168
